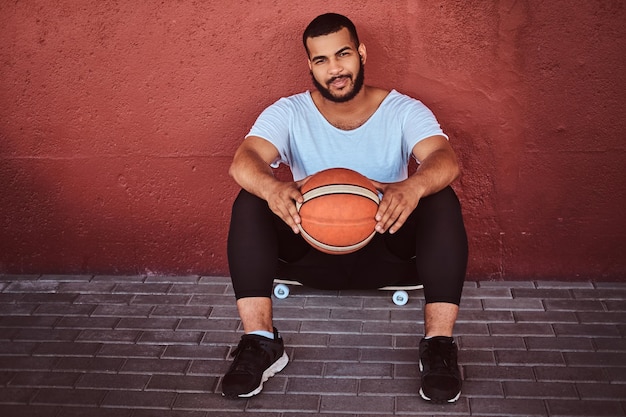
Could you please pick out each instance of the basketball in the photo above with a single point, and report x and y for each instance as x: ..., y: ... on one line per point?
x: 337, y: 215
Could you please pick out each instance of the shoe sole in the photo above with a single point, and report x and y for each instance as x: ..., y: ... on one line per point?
x: 436, y: 401
x: 274, y: 368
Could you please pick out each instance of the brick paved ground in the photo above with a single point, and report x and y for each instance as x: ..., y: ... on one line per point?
x: 157, y: 346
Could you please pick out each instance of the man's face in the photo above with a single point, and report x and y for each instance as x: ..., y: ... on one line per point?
x: 336, y: 65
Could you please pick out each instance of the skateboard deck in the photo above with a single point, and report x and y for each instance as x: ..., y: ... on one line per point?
x: 400, y: 296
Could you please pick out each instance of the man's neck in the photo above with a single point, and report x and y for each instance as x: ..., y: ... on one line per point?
x: 345, y: 107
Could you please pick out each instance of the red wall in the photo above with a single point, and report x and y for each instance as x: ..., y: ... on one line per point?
x: 118, y: 121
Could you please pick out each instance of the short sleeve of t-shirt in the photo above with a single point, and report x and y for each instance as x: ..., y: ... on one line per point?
x: 380, y: 148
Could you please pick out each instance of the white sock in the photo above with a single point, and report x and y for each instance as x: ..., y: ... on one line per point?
x: 264, y: 333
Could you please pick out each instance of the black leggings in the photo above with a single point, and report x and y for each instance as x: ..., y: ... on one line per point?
x: 430, y: 248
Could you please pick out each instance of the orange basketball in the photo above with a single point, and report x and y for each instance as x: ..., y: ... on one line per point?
x: 338, y: 211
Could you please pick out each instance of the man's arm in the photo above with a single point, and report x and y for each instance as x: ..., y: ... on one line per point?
x: 251, y: 170
x: 438, y: 168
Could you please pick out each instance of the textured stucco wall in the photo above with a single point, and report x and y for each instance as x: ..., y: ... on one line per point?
x: 118, y: 121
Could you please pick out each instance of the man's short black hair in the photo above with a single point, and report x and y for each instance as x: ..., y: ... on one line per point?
x: 326, y: 24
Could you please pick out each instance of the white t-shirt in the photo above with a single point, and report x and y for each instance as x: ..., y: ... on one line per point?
x: 379, y: 149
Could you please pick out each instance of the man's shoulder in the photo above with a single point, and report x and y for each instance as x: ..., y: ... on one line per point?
x: 296, y: 98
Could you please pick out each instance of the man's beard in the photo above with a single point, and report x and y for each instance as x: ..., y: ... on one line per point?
x: 358, y: 84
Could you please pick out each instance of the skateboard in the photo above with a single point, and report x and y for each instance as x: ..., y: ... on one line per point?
x: 400, y: 292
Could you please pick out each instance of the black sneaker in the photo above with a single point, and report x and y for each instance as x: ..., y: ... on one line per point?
x: 257, y: 359
x: 441, y: 378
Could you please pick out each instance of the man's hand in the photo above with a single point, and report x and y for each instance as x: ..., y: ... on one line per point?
x: 282, y: 199
x: 398, y: 202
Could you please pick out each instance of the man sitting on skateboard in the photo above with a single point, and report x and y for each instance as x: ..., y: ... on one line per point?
x: 345, y: 123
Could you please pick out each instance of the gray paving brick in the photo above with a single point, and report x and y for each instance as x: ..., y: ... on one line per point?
x: 357, y: 404
x: 358, y: 370
x: 477, y: 316
x: 142, y: 288
x: 559, y: 408
x: 87, y: 323
x: 113, y: 381
x: 488, y: 389
x: 109, y: 336
x: 115, y: 350
x: 207, y: 288
x: 610, y: 344
x: 89, y: 364
x: 586, y: 330
x: 339, y: 386
x: 162, y: 366
x: 178, y: 278
x: 177, y: 337
x: 284, y: 402
x: 31, y: 411
x: 542, y: 293
x: 574, y: 305
x: 600, y: 294
x: 498, y: 373
x: 506, y: 284
x: 66, y: 349
x: 391, y: 387
x: 406, y: 328
x: 389, y: 355
x: 331, y: 326
x: 521, y: 329
x: 564, y: 284
x: 513, y: 304
x: 119, y: 278
x: 34, y: 334
x: 85, y: 287
x: 32, y: 287
x: 160, y: 299
x: 187, y: 311
x: 570, y: 374
x: 604, y: 317
x: 492, y: 342
x: 508, y: 407
x: 528, y: 389
x: 139, y: 399
x: 517, y: 357
x: 413, y: 405
x: 152, y: 323
x: 560, y: 344
x: 63, y: 396
x: 17, y: 348
x: 45, y: 379
x: 607, y: 359
x: 28, y: 321
x: 182, y: 413
x: 18, y: 309
x: 123, y: 310
x: 182, y: 383
x: 195, y: 352
x: 17, y: 395
x: 81, y: 310
x: 616, y: 375
x: 308, y: 339
x: 106, y: 299
x: 589, y: 391
x: 358, y: 340
x: 545, y: 316
x: 205, y: 324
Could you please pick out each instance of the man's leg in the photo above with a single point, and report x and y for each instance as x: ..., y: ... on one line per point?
x: 253, y: 251
x: 255, y: 314
x: 441, y: 261
x: 440, y: 251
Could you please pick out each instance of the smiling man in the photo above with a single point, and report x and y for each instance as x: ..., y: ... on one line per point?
x: 345, y: 123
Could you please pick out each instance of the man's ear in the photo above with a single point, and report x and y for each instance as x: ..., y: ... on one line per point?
x: 362, y: 52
